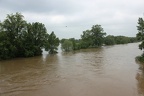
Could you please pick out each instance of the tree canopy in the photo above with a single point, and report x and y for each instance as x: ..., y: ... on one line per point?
x: 21, y: 39
x: 67, y: 45
x: 140, y: 34
x: 94, y: 37
x: 52, y: 43
x: 18, y: 38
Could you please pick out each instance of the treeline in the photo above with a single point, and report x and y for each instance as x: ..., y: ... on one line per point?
x: 111, y: 40
x: 94, y: 38
x: 18, y: 38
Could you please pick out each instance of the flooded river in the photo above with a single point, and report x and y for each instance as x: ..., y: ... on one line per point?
x: 106, y: 71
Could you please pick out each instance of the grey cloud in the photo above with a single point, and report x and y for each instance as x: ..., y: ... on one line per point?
x: 117, y: 17
x: 40, y: 6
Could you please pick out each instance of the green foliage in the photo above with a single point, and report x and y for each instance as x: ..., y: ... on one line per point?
x: 133, y: 39
x: 121, y: 40
x: 70, y: 44
x: 62, y: 40
x: 4, y: 51
x: 52, y: 43
x: 21, y: 39
x: 14, y: 27
x: 84, y: 44
x: 93, y: 37
x: 109, y: 40
x: 34, y: 38
x: 140, y: 34
x: 67, y: 45
x: 76, y: 43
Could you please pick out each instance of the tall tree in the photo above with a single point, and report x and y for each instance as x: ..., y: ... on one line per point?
x: 94, y: 37
x: 21, y: 39
x: 140, y: 34
x: 39, y: 33
x: 14, y: 25
x: 34, y: 38
x: 97, y: 35
x: 52, y: 43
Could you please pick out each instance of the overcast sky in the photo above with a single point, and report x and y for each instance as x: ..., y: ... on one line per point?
x: 69, y: 18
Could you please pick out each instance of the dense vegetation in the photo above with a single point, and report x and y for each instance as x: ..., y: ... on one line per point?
x: 140, y: 36
x: 21, y: 39
x: 18, y: 38
x: 111, y: 40
x: 94, y: 38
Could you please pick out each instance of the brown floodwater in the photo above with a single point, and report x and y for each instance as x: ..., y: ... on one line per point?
x: 106, y: 71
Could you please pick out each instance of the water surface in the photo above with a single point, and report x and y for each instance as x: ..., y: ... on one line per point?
x: 106, y: 71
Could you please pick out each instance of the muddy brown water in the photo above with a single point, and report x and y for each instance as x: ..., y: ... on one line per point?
x: 106, y: 71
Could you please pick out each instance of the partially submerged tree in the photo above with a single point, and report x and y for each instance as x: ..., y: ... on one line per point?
x: 140, y: 34
x: 34, y: 39
x: 67, y: 45
x: 21, y: 39
x: 94, y: 37
x: 52, y: 43
x: 14, y: 26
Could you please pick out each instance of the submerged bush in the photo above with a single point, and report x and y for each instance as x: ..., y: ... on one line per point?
x: 140, y: 58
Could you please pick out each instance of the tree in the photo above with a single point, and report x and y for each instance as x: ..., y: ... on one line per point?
x: 14, y: 26
x: 140, y: 34
x: 76, y: 43
x: 87, y: 40
x: 133, y: 39
x: 21, y: 39
x: 94, y: 37
x: 109, y: 40
x: 52, y: 43
x: 97, y: 35
x: 34, y: 38
x: 122, y: 39
x: 67, y: 45
x: 4, y: 46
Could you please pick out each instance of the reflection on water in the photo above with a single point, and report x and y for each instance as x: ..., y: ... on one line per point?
x: 140, y: 84
x: 106, y: 71
x: 26, y: 74
x: 140, y: 79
